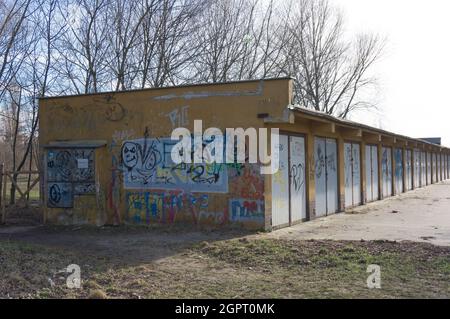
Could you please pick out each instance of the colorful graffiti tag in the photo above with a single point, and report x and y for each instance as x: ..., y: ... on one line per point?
x: 161, y: 206
x: 147, y: 164
x: 246, y: 210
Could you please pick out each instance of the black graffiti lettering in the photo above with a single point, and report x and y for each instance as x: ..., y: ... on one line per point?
x: 297, y: 173
x: 55, y: 194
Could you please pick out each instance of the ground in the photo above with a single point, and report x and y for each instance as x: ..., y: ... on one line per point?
x: 407, y: 236
x: 421, y: 215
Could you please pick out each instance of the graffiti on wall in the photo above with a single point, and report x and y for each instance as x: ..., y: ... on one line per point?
x: 398, y: 154
x: 348, y: 165
x: 60, y: 195
x: 246, y: 210
x: 323, y: 161
x: 147, y: 164
x: 70, y: 165
x: 178, y: 117
x: 69, y: 172
x: 246, y: 182
x: 162, y: 206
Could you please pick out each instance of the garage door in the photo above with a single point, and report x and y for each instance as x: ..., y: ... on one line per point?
x: 352, y: 161
x: 417, y: 169
x: 288, y: 184
x: 434, y: 168
x: 386, y: 164
x: 297, y: 176
x: 423, y: 169
x: 325, y: 163
x: 398, y: 155
x: 371, y: 173
x: 428, y: 168
x: 408, y: 171
x: 280, y: 185
x: 448, y: 166
x: 445, y: 167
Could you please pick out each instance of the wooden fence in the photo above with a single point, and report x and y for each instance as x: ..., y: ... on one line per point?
x: 22, y: 190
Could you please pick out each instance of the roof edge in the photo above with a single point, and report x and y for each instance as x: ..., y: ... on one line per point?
x: 165, y: 87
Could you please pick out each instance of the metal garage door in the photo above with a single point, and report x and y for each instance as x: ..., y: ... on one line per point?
x: 398, y: 155
x: 371, y: 173
x: 352, y: 164
x: 408, y: 171
x: 417, y: 169
x: 434, y: 168
x: 297, y: 175
x: 448, y: 166
x: 423, y: 169
x: 445, y: 167
x: 325, y: 157
x: 444, y: 161
x: 386, y: 164
x: 429, y: 173
x: 280, y: 185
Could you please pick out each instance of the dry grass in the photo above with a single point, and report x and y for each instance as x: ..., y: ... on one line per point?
x: 236, y: 268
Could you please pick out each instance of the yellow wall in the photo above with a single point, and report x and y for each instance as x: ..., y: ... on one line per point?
x: 154, y: 113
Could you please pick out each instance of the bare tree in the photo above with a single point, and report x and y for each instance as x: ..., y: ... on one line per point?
x: 82, y: 49
x: 167, y: 49
x: 13, y: 15
x: 331, y: 73
x: 127, y: 17
x: 225, y: 39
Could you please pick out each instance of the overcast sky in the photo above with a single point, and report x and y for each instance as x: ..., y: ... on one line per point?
x: 414, y: 73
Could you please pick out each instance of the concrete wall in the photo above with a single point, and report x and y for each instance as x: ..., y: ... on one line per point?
x: 106, y: 156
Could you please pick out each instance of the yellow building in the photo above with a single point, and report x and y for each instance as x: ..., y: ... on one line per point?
x: 107, y: 159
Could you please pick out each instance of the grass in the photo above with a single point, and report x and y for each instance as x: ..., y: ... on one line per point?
x: 22, y: 181
x: 236, y: 268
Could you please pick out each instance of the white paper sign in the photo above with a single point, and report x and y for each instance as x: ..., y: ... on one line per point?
x: 83, y: 163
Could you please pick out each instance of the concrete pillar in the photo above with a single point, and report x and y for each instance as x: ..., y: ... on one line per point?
x: 310, y: 177
x: 363, y: 173
x: 404, y: 169
x: 341, y: 174
x: 380, y: 171
x: 413, y: 169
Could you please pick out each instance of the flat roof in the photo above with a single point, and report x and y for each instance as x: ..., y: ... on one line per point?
x: 76, y: 144
x: 344, y: 122
x: 164, y: 88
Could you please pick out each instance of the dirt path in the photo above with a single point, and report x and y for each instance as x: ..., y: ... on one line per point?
x: 422, y: 215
